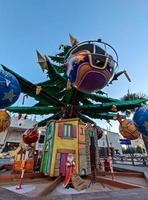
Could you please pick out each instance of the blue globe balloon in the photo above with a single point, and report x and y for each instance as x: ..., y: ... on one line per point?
x: 9, y: 89
x: 141, y: 119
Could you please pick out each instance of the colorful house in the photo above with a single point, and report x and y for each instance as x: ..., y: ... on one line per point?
x: 69, y: 136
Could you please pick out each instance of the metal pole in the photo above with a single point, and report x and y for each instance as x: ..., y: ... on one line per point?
x: 131, y: 154
x: 107, y: 145
x: 107, y: 142
x: 109, y: 156
x: 23, y: 169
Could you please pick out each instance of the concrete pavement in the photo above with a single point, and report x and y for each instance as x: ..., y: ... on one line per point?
x: 121, y: 194
x: 136, y: 194
x: 131, y: 167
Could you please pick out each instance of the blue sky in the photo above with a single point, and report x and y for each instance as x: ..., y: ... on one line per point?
x: 28, y: 25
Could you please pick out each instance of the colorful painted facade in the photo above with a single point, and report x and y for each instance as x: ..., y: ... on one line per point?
x: 68, y: 136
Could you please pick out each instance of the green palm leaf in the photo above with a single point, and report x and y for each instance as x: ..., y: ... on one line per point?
x: 30, y: 89
x: 39, y: 110
x: 57, y: 59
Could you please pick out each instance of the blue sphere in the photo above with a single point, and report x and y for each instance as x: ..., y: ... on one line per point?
x: 141, y: 119
x: 9, y: 89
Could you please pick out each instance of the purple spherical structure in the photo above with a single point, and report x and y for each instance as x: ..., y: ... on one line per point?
x: 89, y: 67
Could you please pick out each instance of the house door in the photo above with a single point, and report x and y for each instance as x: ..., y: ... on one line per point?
x: 45, y: 161
x: 62, y: 167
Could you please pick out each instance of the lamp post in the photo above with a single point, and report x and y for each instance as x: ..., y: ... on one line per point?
x: 131, y: 154
x: 107, y: 142
x: 109, y: 153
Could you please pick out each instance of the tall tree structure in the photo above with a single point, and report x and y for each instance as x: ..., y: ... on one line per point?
x: 55, y: 97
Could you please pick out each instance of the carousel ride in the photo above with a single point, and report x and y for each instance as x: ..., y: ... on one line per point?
x: 74, y: 85
x: 73, y: 90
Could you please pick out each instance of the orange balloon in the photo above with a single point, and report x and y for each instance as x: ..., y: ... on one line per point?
x: 4, y: 120
x: 128, y: 129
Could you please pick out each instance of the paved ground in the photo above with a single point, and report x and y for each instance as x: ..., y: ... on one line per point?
x: 136, y: 194
x: 132, y: 168
x: 128, y: 194
x: 96, y: 187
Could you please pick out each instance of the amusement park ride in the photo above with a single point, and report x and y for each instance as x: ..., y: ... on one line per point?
x: 73, y: 97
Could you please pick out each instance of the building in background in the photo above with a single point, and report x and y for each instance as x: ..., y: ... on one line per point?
x: 10, y: 138
x: 112, y: 141
x: 139, y: 144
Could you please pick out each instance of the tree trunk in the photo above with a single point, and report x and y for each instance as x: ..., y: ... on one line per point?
x: 145, y: 139
x: 93, y: 159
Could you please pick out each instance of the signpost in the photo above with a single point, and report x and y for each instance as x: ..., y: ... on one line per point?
x: 128, y: 142
x: 125, y: 141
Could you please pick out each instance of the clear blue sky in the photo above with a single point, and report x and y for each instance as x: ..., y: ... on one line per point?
x: 27, y: 25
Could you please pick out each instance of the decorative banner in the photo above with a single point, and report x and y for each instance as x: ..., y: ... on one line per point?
x: 9, y: 89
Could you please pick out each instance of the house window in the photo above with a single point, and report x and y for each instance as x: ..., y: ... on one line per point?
x: 67, y: 130
x: 42, y: 137
x: 81, y: 131
x: 91, y: 133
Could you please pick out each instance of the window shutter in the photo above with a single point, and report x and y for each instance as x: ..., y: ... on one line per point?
x: 74, y: 131
x: 61, y: 130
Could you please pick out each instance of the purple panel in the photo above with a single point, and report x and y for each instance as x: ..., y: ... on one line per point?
x: 62, y: 167
x: 93, y: 81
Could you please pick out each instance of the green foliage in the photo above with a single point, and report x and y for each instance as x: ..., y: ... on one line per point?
x: 134, y: 96
x: 139, y: 150
x: 57, y: 59
x: 124, y: 151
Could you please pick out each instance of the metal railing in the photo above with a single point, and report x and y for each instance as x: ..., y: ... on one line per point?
x: 129, y: 160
